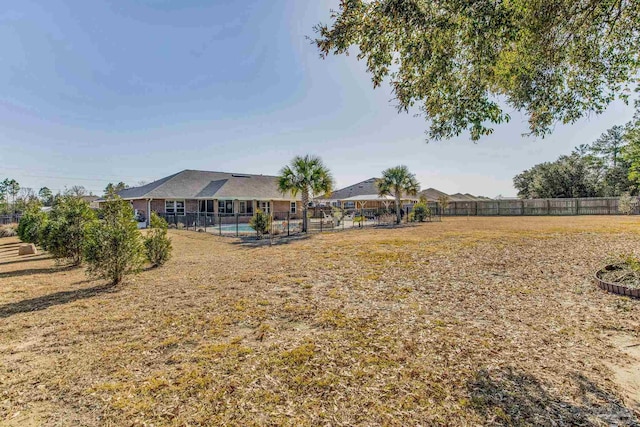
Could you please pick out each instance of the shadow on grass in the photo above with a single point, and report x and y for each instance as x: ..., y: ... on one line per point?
x: 512, y: 398
x: 30, y: 259
x: 58, y: 298
x: 252, y: 242
x: 31, y: 271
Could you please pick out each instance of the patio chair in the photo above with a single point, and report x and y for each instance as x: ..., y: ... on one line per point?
x: 328, y: 219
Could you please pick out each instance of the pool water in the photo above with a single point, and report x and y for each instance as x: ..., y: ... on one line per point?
x: 231, y: 228
x: 246, y: 228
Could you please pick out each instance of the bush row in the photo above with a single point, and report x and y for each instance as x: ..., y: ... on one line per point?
x: 107, y: 240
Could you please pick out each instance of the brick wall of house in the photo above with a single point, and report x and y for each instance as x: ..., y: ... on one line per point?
x: 157, y: 206
x: 191, y: 206
x: 281, y: 208
x: 140, y: 205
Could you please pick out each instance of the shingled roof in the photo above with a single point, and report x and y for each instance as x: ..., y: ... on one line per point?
x: 432, y: 194
x: 360, y: 189
x: 195, y: 184
x: 368, y: 187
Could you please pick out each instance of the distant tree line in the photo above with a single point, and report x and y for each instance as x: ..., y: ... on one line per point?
x: 17, y: 199
x: 608, y: 167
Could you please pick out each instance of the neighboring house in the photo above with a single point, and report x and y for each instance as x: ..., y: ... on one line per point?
x: 360, y: 189
x: 432, y: 195
x: 361, y: 195
x: 92, y: 200
x: 336, y: 197
x: 213, y: 193
x: 459, y: 197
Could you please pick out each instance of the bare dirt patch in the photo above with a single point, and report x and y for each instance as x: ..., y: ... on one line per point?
x: 467, y: 322
x: 627, y: 369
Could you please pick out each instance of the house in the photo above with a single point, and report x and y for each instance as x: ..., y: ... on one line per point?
x: 432, y: 195
x: 365, y: 187
x: 92, y: 200
x: 359, y: 196
x: 459, y: 197
x: 213, y: 193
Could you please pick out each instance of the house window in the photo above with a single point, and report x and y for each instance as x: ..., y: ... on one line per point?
x: 293, y: 207
x: 349, y: 205
x: 206, y: 206
x: 225, y: 206
x: 245, y: 207
x: 174, y: 207
x: 265, y: 207
x: 179, y: 207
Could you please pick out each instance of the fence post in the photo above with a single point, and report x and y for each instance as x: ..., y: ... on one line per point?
x: 220, y: 224
x: 521, y: 207
x: 577, y: 206
x: 288, y: 224
x: 237, y: 224
x: 548, y: 207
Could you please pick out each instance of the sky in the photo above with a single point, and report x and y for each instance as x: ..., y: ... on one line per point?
x: 107, y: 91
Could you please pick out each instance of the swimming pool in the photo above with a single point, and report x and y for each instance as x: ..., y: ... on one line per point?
x: 231, y: 228
x: 244, y: 228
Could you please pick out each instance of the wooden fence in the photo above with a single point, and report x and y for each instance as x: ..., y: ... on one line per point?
x: 533, y: 207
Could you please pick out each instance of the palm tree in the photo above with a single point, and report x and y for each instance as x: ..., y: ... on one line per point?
x: 398, y: 182
x: 306, y: 175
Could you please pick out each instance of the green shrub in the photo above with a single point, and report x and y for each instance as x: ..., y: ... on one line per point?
x: 260, y: 222
x: 157, y: 245
x: 113, y: 246
x: 420, y: 212
x: 64, y: 233
x: 31, y: 226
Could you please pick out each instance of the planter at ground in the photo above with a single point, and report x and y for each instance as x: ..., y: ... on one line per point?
x: 615, y: 287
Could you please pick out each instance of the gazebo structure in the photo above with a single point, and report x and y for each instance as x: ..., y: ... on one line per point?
x: 375, y: 201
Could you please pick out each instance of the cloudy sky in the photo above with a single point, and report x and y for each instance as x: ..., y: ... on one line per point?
x: 93, y: 92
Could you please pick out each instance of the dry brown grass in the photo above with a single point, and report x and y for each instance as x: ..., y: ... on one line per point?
x: 466, y: 322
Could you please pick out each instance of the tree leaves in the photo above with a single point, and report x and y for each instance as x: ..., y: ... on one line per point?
x: 455, y: 60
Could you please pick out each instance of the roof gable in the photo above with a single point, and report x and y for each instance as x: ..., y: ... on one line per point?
x: 432, y: 194
x: 195, y: 184
x: 365, y: 187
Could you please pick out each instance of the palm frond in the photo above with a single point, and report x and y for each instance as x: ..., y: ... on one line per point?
x: 306, y: 174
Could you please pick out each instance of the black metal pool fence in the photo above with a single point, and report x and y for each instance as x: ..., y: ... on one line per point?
x: 319, y: 220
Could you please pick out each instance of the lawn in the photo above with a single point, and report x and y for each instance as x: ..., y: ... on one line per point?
x: 472, y: 321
